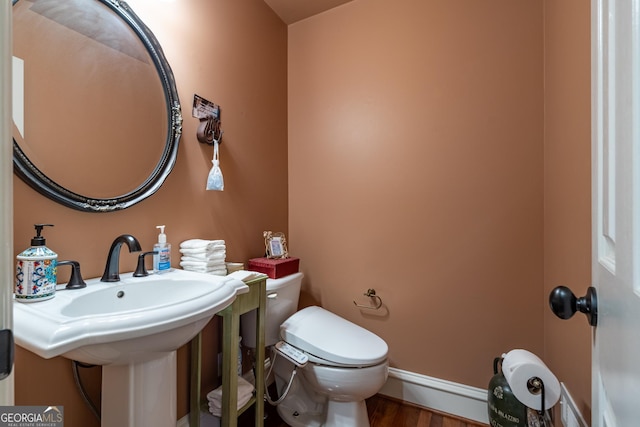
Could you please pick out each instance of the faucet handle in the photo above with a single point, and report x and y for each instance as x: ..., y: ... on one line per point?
x: 141, y: 270
x: 75, y: 280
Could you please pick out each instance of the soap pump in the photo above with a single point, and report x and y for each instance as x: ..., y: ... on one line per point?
x: 162, y: 256
x: 36, y: 270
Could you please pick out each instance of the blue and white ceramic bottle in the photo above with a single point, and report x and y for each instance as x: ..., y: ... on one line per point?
x: 36, y: 270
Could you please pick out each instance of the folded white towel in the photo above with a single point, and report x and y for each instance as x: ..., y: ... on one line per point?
x: 245, y: 392
x: 204, y: 258
x: 200, y: 244
x: 202, y: 264
x: 204, y: 252
x: 214, y: 271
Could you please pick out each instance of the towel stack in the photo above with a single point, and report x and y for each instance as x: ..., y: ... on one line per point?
x: 245, y: 392
x: 204, y: 256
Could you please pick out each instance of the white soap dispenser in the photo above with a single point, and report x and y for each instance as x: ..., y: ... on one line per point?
x: 162, y: 257
x: 36, y: 270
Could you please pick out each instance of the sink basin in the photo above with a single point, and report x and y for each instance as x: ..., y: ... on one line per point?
x: 133, y: 328
x: 126, y: 321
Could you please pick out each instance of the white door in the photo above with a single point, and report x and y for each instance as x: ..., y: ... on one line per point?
x: 616, y: 211
x: 6, y: 195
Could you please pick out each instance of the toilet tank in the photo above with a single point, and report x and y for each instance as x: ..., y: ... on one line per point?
x: 282, y: 302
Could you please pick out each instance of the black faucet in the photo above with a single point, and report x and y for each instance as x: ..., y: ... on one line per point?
x: 112, y: 269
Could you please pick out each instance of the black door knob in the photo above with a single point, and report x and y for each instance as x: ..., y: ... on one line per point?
x: 565, y: 304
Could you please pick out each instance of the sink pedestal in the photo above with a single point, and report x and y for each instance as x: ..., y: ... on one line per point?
x: 140, y: 394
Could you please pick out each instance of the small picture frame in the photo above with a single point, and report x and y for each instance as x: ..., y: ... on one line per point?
x: 275, y: 245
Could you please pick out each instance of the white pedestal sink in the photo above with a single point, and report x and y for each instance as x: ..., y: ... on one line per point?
x: 133, y: 329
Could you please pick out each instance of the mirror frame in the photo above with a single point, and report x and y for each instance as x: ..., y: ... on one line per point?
x: 31, y: 175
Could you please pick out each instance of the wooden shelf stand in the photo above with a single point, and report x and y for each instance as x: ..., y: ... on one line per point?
x: 254, y: 299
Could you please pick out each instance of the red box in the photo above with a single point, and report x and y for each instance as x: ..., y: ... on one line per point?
x: 274, y: 268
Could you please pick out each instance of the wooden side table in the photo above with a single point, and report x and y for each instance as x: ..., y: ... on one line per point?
x: 254, y: 299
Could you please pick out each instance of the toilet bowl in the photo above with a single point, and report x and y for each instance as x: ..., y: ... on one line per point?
x: 347, y: 363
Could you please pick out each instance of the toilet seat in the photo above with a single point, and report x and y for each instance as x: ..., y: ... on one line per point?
x: 329, y: 339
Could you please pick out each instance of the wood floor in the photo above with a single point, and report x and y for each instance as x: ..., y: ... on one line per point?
x: 383, y: 412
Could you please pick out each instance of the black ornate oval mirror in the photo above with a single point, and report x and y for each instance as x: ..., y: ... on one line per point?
x: 98, y: 120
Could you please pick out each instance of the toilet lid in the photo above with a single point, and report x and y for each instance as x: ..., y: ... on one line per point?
x: 333, y: 339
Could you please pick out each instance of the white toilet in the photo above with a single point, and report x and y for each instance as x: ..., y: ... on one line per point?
x: 347, y: 364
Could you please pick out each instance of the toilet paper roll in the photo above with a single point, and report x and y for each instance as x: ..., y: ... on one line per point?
x: 518, y: 366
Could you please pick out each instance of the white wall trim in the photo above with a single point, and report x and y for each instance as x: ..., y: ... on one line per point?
x: 183, y: 422
x: 440, y: 395
x: 206, y: 420
x: 570, y: 415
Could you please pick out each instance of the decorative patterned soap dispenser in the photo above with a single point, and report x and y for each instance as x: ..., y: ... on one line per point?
x: 36, y: 270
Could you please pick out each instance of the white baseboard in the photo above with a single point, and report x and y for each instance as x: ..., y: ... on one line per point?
x: 206, y: 420
x: 432, y: 393
x: 570, y: 415
x: 440, y: 395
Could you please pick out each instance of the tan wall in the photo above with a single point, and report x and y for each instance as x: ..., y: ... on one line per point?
x: 416, y: 168
x: 567, y: 190
x: 233, y: 53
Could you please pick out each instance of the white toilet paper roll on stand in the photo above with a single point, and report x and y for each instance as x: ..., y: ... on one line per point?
x: 518, y: 367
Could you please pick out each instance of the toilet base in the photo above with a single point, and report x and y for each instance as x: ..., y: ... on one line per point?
x: 343, y: 414
x: 295, y: 418
x: 305, y: 408
x: 299, y: 408
x: 338, y: 414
